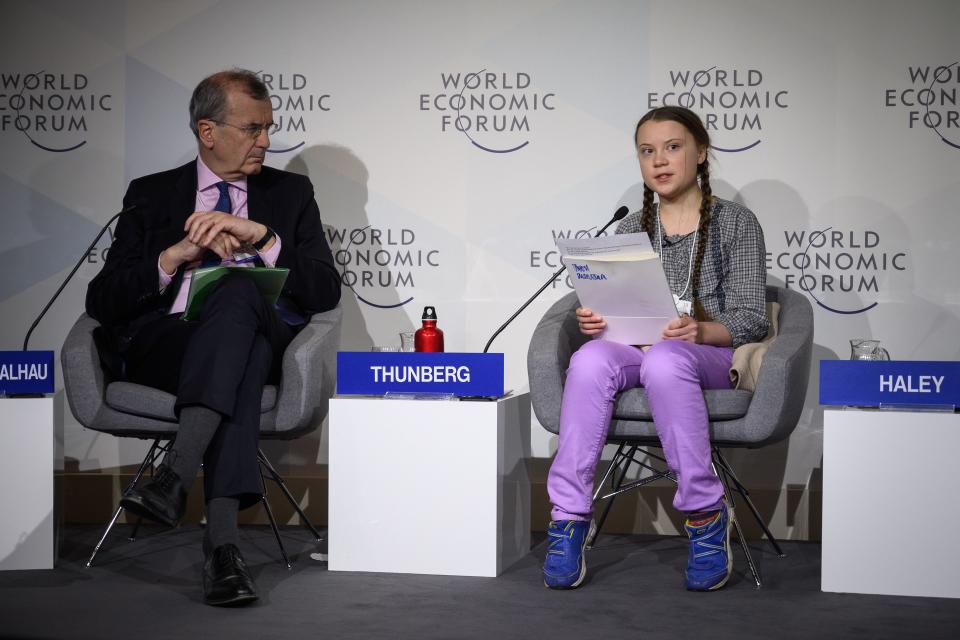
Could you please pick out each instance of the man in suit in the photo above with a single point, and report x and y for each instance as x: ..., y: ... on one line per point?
x: 226, y: 208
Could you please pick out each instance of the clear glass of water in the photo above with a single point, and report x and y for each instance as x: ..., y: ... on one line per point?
x: 406, y: 341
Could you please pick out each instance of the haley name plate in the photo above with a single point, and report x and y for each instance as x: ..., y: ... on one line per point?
x: 889, y: 382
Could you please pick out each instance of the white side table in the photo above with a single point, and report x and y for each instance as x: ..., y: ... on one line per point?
x: 26, y: 475
x: 891, y: 481
x: 425, y: 486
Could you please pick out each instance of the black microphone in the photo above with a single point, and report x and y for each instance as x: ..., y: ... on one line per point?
x: 620, y: 214
x: 26, y: 339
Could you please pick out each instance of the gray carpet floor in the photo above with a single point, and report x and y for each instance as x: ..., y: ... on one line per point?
x: 150, y: 588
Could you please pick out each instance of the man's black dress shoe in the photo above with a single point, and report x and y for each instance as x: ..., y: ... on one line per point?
x: 226, y: 581
x: 161, y: 499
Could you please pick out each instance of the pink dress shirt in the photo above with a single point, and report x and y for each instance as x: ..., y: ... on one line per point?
x: 207, y: 195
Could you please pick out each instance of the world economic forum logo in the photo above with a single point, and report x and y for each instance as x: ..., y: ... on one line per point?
x: 929, y: 100
x: 50, y: 110
x: 843, y: 271
x: 296, y: 103
x: 494, y: 111
x: 735, y: 104
x: 381, y: 266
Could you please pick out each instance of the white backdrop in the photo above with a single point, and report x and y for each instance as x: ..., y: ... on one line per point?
x: 838, y: 117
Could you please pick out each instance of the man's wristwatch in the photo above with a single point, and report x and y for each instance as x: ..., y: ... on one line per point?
x: 267, y: 237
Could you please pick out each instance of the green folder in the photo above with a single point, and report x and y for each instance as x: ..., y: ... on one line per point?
x: 268, y: 280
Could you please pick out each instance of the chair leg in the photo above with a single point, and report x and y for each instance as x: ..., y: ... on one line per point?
x: 106, y: 532
x: 133, y: 532
x: 276, y: 477
x: 615, y: 482
x: 147, y: 460
x: 736, y: 523
x: 742, y: 490
x: 639, y: 482
x: 610, y: 467
x: 273, y: 521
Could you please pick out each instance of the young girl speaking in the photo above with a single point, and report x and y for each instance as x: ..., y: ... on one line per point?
x: 713, y: 255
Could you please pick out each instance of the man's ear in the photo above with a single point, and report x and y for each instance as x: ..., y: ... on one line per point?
x: 205, y: 133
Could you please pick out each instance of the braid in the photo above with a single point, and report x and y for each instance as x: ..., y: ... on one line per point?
x: 646, y: 220
x: 705, y: 204
x: 692, y: 123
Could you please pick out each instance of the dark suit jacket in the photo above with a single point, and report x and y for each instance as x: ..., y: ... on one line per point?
x: 125, y: 294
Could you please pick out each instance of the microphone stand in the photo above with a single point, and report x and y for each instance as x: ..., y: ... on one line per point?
x: 619, y: 215
x: 26, y: 339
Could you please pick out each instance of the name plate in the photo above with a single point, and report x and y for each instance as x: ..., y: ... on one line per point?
x: 889, y: 382
x: 372, y: 373
x: 23, y: 372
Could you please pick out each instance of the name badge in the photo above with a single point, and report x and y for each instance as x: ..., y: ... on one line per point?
x: 684, y: 307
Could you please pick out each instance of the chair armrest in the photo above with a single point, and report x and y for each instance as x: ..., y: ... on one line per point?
x: 83, y: 378
x: 784, y: 375
x: 309, y: 373
x: 555, y: 339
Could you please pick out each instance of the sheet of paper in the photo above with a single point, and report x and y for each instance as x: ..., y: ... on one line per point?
x: 620, y: 277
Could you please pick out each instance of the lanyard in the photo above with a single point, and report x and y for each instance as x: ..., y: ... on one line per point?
x: 693, y: 247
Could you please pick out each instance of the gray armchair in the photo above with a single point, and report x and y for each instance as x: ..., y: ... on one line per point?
x: 291, y: 409
x: 738, y: 418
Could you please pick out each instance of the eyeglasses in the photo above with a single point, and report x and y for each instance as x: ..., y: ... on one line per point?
x: 253, y: 130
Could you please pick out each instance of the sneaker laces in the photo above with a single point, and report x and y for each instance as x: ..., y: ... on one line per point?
x: 555, y: 545
x: 701, y: 541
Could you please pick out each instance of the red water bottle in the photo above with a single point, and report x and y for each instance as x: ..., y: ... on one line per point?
x: 428, y: 337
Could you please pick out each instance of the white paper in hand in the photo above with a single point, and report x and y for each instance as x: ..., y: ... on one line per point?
x: 620, y: 278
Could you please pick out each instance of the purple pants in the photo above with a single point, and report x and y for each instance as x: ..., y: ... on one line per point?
x: 674, y: 373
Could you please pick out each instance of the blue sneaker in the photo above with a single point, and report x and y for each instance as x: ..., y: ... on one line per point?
x: 565, y: 566
x: 710, y: 563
